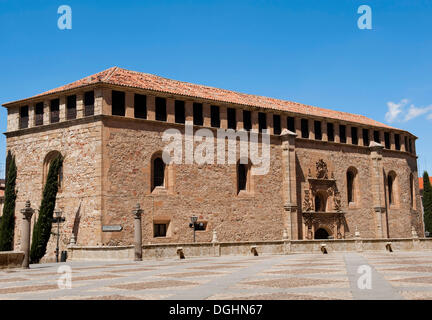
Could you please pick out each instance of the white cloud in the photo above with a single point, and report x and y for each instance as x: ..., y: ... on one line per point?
x: 414, y: 112
x: 394, y: 109
x: 398, y: 111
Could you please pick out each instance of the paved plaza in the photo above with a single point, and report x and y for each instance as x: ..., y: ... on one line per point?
x: 397, y: 275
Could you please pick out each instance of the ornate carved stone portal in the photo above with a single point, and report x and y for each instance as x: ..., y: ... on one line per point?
x: 322, y: 204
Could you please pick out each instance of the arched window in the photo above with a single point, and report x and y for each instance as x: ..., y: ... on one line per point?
x: 351, y: 176
x: 391, y: 177
x: 243, y: 176
x: 46, y: 165
x: 158, y: 172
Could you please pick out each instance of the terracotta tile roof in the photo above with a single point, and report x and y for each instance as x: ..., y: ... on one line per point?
x: 421, y: 185
x: 133, y: 79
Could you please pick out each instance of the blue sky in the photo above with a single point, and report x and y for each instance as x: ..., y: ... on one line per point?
x: 303, y: 50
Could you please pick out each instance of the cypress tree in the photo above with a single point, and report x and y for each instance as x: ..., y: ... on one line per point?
x: 43, y: 225
x: 7, y: 224
x: 427, y: 202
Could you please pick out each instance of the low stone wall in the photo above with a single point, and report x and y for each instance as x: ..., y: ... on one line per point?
x: 160, y: 251
x: 82, y: 253
x: 11, y: 259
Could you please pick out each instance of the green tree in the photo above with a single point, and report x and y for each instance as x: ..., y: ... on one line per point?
x: 427, y: 202
x: 7, y: 224
x: 43, y: 225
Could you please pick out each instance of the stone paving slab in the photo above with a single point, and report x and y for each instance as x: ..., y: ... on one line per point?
x: 335, y: 276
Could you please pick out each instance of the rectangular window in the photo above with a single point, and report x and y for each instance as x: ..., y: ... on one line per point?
x: 39, y: 113
x: 318, y: 132
x: 406, y: 143
x: 179, y: 111
x: 118, y: 103
x: 89, y: 103
x: 247, y: 120
x: 140, y: 106
x: 198, y: 119
x: 377, y: 136
x: 354, y: 135
x: 342, y: 133
x: 410, y: 146
x: 262, y: 121
x: 291, y: 124
x: 366, y: 137
x: 330, y: 131
x: 160, y: 229
x: 305, y: 128
x: 161, y: 113
x: 71, y: 107
x: 397, y: 142
x: 24, y: 117
x: 387, y: 140
x: 215, y: 117
x: 232, y: 119
x: 276, y: 124
x: 55, y: 110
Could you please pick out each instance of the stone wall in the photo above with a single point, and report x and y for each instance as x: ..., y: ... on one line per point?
x: 163, y: 251
x: 80, y: 196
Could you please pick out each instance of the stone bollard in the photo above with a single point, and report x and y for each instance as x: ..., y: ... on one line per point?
x: 137, y: 232
x: 27, y: 213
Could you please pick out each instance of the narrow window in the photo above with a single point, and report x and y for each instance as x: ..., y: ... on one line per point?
x: 317, y: 128
x: 291, y: 124
x: 39, y: 114
x: 377, y: 136
x: 410, y: 146
x: 350, y: 186
x: 366, y: 137
x: 215, y: 117
x: 179, y: 111
x: 241, y: 177
x: 342, y: 133
x: 406, y: 143
x: 390, y: 181
x: 397, y: 142
x: 198, y: 114
x: 247, y: 120
x: 158, y: 173
x: 118, y: 103
x: 276, y: 124
x: 24, y: 117
x: 305, y: 128
x: 89, y: 103
x: 262, y: 121
x: 160, y: 229
x: 232, y: 121
x: 161, y: 113
x: 140, y: 106
x: 71, y: 107
x: 330, y: 131
x: 55, y: 111
x: 354, y: 135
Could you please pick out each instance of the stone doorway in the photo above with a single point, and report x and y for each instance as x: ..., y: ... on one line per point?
x: 321, y: 233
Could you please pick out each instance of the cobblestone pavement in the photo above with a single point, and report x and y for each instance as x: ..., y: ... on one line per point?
x: 397, y: 275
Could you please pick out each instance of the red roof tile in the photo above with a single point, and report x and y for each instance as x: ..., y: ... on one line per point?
x: 123, y: 77
x: 421, y: 185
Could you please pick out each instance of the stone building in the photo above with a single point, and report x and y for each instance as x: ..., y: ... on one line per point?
x: 331, y: 173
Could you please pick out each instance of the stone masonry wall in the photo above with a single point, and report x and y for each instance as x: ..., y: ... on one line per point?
x: 79, y: 199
